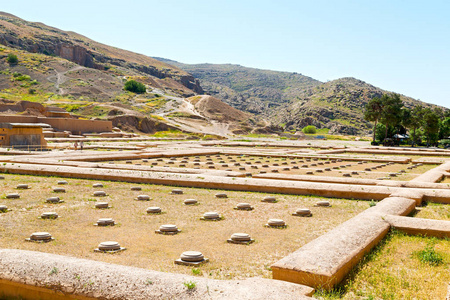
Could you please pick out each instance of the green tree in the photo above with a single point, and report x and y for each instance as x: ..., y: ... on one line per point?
x: 416, y: 120
x: 135, y: 87
x: 444, y: 129
x: 309, y: 129
x: 431, y: 126
x: 372, y: 112
x: 12, y: 59
x: 392, y: 111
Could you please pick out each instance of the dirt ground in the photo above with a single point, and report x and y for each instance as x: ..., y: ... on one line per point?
x: 75, y: 234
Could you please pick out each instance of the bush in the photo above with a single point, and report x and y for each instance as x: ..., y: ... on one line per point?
x: 310, y: 129
x: 135, y: 87
x: 12, y: 59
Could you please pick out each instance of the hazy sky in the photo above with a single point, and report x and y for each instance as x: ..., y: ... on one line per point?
x: 397, y: 45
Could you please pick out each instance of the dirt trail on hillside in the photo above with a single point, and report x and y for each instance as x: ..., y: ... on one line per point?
x: 59, y: 78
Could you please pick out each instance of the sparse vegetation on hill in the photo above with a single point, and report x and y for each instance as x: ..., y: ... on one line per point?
x: 12, y: 59
x: 135, y: 87
x: 291, y: 99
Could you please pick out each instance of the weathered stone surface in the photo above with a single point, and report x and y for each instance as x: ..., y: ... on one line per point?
x: 154, y: 210
x: 105, y: 222
x: 102, y: 205
x: 190, y: 201
x: 40, y: 236
x: 419, y: 226
x: 108, y: 246
x: 192, y: 256
x: 325, y: 261
x: 99, y: 194
x: 49, y: 215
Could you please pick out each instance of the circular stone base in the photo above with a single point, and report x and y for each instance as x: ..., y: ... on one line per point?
x: 136, y: 188
x: 3, y: 208
x: 97, y: 185
x: 240, y: 242
x: 177, y: 192
x: 323, y: 204
x: 154, y: 210
x: 168, y: 232
x: 54, y: 200
x: 99, y: 194
x: 13, y: 196
x: 276, y: 222
x: 109, y: 247
x: 105, y: 222
x: 221, y: 195
x: 102, y: 205
x: 269, y: 199
x: 49, y: 215
x: 59, y: 190
x: 303, y: 212
x: 244, y: 206
x: 190, y: 202
x: 143, y: 198
x: 40, y: 237
x: 190, y: 263
x: 211, y: 216
x: 22, y: 187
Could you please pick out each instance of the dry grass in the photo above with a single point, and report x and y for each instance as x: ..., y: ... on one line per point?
x: 394, y: 271
x: 434, y: 211
x: 75, y: 234
x: 446, y: 180
x: 270, y: 161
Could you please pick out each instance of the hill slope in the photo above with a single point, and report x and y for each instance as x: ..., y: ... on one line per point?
x: 39, y: 38
x: 86, y: 78
x: 248, y: 89
x: 291, y: 99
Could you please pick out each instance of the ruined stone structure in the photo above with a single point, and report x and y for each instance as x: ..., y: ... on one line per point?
x: 21, y: 135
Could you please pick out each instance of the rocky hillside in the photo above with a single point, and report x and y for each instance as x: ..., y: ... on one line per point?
x: 290, y: 99
x: 248, y: 89
x: 337, y: 105
x: 66, y: 70
x: 40, y: 38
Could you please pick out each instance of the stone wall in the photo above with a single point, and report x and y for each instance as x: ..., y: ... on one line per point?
x: 76, y: 126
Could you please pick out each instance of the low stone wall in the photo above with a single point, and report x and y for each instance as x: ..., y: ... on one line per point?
x: 62, y: 124
x: 434, y: 175
x: 325, y: 261
x: 36, y: 275
x: 418, y: 226
x: 215, y: 182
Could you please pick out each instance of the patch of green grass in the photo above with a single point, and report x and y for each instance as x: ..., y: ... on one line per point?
x: 430, y: 256
x: 196, y: 271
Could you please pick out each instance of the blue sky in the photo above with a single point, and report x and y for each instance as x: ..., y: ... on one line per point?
x: 397, y: 45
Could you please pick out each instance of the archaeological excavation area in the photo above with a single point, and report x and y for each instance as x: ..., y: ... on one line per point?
x: 150, y: 219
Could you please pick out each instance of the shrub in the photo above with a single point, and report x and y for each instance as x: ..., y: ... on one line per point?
x: 12, y: 59
x: 135, y: 87
x: 310, y: 129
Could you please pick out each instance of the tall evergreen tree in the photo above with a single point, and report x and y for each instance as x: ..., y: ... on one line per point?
x: 431, y: 126
x: 372, y: 112
x: 392, y: 110
x: 416, y: 120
